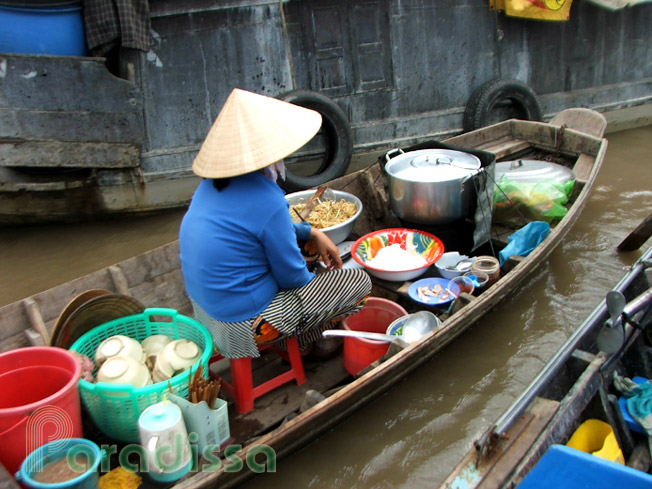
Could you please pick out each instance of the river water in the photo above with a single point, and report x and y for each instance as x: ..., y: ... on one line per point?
x: 413, y: 435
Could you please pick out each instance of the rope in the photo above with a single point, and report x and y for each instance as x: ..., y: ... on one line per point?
x: 287, y: 43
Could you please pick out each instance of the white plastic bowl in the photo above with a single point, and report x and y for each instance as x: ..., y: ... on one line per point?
x: 119, y: 345
x: 124, y: 370
x: 448, y: 260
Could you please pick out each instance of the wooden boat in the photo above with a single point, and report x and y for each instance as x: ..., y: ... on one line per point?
x: 574, y: 386
x: 89, y: 137
x: 155, y: 279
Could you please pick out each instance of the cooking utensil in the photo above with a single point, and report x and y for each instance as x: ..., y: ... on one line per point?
x: 532, y: 171
x: 415, y: 326
x: 461, y: 266
x: 359, y: 334
x: 431, y: 186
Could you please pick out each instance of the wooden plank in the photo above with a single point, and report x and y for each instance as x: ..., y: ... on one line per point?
x: 565, y: 420
x: 583, y: 167
x: 153, y: 263
x: 582, y: 120
x: 507, y: 148
x: 519, y: 440
x: 35, y: 318
x: 64, y: 154
x: 636, y: 238
x: 6, y: 480
x: 118, y: 279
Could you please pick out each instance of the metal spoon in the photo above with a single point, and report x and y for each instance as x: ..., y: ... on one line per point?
x: 461, y: 266
x: 415, y: 327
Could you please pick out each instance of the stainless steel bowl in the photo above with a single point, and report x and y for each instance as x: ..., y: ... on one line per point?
x: 337, y: 233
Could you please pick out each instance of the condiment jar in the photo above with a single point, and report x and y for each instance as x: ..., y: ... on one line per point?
x: 489, y: 265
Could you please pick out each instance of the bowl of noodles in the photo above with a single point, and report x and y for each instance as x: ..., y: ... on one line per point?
x: 335, y: 212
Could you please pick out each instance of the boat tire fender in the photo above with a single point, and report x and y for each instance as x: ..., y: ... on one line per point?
x: 485, y: 98
x: 338, y: 140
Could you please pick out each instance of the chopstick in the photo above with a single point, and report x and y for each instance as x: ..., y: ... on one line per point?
x: 298, y: 214
x: 201, y: 389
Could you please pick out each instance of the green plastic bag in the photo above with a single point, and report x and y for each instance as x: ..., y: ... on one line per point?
x: 517, y: 203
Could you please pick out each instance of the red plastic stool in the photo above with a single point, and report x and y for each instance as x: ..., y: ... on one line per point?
x: 242, y: 389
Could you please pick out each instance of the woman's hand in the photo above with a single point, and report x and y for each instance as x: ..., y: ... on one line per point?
x: 328, y: 251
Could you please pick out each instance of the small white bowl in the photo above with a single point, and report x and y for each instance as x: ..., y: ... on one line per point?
x: 124, y: 370
x: 449, y: 259
x: 152, y: 345
x: 119, y: 345
x: 174, y: 358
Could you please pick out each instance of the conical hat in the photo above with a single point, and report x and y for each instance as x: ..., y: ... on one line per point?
x: 251, y: 132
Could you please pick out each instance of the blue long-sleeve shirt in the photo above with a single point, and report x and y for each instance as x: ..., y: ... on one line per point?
x: 239, y: 247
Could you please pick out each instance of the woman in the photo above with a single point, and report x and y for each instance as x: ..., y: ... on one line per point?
x: 242, y: 267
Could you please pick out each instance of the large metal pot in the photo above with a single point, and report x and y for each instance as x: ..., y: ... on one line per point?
x: 432, y: 186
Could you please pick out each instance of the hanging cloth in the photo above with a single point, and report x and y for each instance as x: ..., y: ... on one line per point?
x: 551, y: 10
x: 111, y: 23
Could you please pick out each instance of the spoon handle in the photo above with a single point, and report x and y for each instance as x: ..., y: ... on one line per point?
x: 359, y: 334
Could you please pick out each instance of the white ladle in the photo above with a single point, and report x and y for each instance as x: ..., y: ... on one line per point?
x: 415, y: 327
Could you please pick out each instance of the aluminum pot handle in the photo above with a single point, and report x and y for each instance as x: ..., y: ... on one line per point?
x: 392, y: 153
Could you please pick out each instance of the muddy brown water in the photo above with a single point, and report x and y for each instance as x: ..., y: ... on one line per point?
x: 413, y: 435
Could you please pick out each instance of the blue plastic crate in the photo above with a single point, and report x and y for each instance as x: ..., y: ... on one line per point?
x: 563, y: 467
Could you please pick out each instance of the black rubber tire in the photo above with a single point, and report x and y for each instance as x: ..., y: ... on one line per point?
x: 486, y: 97
x: 338, y: 140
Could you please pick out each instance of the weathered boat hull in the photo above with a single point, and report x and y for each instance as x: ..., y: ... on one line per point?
x: 155, y: 279
x: 398, y: 71
x: 573, y: 386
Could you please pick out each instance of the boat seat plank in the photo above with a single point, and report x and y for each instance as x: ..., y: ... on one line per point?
x: 581, y: 119
x: 506, y: 148
x: 583, y: 167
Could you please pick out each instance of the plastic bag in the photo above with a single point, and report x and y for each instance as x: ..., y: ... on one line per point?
x: 516, y: 203
x: 523, y: 241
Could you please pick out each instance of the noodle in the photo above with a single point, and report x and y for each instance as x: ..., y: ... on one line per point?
x: 326, y: 213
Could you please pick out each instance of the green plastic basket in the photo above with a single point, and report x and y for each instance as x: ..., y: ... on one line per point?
x: 115, y: 409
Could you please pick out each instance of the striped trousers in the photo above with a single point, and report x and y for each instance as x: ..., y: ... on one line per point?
x: 303, y: 312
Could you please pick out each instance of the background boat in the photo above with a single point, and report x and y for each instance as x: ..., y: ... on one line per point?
x: 574, y: 386
x: 81, y: 141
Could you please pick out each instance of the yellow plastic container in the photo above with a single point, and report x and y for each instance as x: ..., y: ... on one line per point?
x: 598, y: 438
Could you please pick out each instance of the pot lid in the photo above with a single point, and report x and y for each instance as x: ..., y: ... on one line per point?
x: 433, y: 165
x: 532, y: 171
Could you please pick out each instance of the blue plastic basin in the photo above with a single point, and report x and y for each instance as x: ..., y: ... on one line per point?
x: 53, y: 30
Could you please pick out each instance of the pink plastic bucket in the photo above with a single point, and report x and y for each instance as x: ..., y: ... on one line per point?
x: 375, y: 316
x: 39, y: 402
